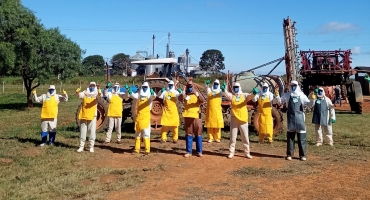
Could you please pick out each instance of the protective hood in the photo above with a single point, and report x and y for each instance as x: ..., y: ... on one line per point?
x: 297, y: 91
x: 236, y: 84
x: 94, y: 93
x: 173, y: 88
x: 323, y: 93
x: 265, y: 85
x: 118, y: 88
x: 51, y: 87
x: 147, y: 93
x: 217, y: 90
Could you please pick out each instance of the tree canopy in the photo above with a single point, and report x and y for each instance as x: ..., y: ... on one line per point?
x: 120, y: 64
x: 212, y: 59
x: 93, y: 65
x: 28, y: 49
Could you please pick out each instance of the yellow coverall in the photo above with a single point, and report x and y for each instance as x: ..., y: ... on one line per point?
x: 170, y: 117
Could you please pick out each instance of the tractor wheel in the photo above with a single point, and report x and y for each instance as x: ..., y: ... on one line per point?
x: 157, y: 106
x: 277, y: 121
x: 101, y: 119
x: 359, y: 108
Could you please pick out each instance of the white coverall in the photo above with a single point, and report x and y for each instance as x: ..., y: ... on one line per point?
x: 330, y: 115
x: 114, y: 121
x: 239, y: 120
x: 88, y: 125
x: 49, y: 125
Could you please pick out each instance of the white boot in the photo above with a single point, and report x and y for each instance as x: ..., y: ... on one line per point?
x: 231, y: 155
x: 81, y: 149
x: 92, y: 142
x: 82, y: 146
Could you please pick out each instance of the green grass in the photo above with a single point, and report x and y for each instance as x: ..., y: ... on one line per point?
x: 59, y: 172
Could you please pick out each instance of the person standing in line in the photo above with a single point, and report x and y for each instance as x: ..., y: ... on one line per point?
x: 193, y: 122
x: 170, y: 116
x: 142, y: 119
x: 214, y: 119
x: 323, y: 116
x: 88, y: 114
x: 295, y: 100
x: 265, y: 121
x: 239, y: 119
x: 338, y: 96
x: 115, y: 99
x: 49, y: 113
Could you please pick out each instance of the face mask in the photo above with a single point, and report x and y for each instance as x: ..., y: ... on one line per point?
x: 51, y: 91
x: 320, y: 92
x: 91, y: 89
x: 215, y: 86
x: 115, y: 88
x: 170, y: 87
x: 264, y: 89
x: 145, y: 89
x: 190, y: 89
x: 236, y: 89
x: 294, y: 87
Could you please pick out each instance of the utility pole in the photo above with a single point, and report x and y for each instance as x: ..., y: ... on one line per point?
x: 153, y: 46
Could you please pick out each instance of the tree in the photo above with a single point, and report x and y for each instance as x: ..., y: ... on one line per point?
x: 94, y: 64
x: 212, y: 59
x: 30, y: 50
x: 120, y: 63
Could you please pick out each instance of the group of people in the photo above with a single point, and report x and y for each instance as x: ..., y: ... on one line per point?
x: 295, y: 100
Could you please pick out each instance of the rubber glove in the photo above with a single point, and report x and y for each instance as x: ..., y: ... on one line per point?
x: 255, y: 91
x: 367, y: 78
x: 34, y: 91
x: 163, y: 89
x: 277, y: 92
x: 208, y: 82
x: 179, y: 90
x: 99, y: 91
x: 313, y: 96
x: 316, y: 90
x: 333, y: 121
x: 78, y: 90
x: 152, y: 91
x: 108, y: 85
x: 126, y: 86
x: 222, y: 88
x: 64, y: 92
x: 130, y: 91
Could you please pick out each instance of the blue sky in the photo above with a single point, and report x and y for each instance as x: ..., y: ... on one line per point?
x: 248, y: 33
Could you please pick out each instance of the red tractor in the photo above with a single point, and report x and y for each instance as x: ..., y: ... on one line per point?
x: 328, y: 68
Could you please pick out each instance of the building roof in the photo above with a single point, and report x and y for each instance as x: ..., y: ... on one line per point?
x: 362, y: 68
x: 157, y: 61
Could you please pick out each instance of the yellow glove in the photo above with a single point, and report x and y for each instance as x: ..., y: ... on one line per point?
x: 34, y: 91
x: 64, y: 92
x: 313, y: 96
x: 78, y: 90
x: 277, y: 92
x: 99, y: 91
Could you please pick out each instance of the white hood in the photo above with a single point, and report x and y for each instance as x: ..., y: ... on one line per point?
x: 265, y: 85
x: 171, y: 83
x: 297, y: 92
x: 94, y: 93
x: 51, y: 87
x: 236, y: 84
x: 147, y: 93
x: 323, y: 93
x: 118, y: 90
x: 217, y: 90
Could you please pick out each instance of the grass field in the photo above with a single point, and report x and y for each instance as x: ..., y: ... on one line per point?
x: 58, y: 172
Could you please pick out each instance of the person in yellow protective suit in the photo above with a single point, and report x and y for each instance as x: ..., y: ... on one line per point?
x: 115, y: 98
x: 88, y: 114
x: 239, y: 119
x: 214, y: 119
x: 193, y: 123
x: 142, y: 119
x: 170, y: 116
x: 265, y: 120
x: 49, y: 113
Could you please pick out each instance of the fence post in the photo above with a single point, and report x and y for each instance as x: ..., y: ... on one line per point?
x: 3, y: 87
x: 60, y: 87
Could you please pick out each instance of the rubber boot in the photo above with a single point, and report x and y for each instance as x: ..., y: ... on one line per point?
x: 217, y: 134
x: 147, y: 145
x: 290, y: 137
x: 44, y: 137
x: 137, y: 145
x: 198, y: 143
x: 82, y: 146
x: 261, y: 137
x: 52, y: 138
x: 189, y: 145
x: 164, y: 137
x: 92, y: 142
x: 302, y: 145
x: 175, y: 134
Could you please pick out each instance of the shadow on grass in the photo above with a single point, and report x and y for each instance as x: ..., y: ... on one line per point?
x: 17, y: 106
x: 37, y: 142
x: 114, y: 149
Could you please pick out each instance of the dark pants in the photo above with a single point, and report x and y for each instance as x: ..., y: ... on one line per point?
x: 338, y: 99
x: 290, y: 136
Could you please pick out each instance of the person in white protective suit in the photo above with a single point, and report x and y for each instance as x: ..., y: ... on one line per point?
x: 295, y: 100
x: 49, y: 113
x: 239, y: 119
x: 88, y: 114
x: 170, y: 116
x: 142, y: 119
x: 323, y: 116
x: 265, y: 120
x: 115, y: 98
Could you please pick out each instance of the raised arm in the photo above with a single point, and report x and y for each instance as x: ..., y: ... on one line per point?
x: 331, y: 108
x: 37, y: 99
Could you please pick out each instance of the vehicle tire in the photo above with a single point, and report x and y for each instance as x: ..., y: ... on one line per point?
x: 277, y: 121
x: 101, y: 119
